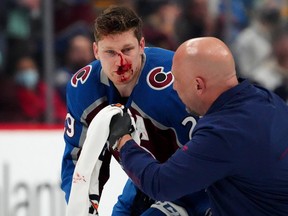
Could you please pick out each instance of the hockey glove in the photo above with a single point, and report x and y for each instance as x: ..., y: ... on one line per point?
x: 119, y: 126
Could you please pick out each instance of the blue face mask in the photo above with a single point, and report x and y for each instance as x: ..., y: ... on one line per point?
x: 27, y: 78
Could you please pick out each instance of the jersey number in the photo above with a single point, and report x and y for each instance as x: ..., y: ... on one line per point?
x: 69, y: 125
x: 193, y: 122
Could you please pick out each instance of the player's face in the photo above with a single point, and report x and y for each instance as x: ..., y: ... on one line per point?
x: 120, y: 56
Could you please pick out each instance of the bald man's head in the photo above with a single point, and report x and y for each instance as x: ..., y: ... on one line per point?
x: 203, y: 69
x: 209, y: 55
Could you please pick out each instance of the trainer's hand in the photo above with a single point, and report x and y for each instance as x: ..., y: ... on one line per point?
x: 119, y: 126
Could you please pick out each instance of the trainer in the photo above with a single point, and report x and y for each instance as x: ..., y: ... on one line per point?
x: 239, y: 148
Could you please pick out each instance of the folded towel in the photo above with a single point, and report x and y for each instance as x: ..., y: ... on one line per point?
x: 84, y: 196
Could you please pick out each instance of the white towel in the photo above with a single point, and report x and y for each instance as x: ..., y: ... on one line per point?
x: 86, y: 173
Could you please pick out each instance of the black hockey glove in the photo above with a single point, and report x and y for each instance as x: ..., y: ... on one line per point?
x: 119, y: 126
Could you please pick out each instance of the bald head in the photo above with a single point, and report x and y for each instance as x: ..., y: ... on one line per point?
x: 204, y: 66
x: 209, y: 55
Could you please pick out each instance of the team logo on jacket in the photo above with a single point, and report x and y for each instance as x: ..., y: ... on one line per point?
x: 158, y: 79
x: 81, y: 75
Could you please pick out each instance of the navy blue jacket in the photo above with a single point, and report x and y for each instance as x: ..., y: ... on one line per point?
x: 238, y: 152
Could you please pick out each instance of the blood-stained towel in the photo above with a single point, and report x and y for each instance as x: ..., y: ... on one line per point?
x: 84, y: 196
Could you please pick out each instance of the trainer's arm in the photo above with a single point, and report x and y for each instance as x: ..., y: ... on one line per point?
x: 187, y: 171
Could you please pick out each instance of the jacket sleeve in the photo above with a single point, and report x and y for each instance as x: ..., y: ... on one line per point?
x: 197, y: 164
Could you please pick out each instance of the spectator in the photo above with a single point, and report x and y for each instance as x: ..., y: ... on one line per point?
x: 159, y: 19
x: 68, y: 14
x: 273, y: 73
x: 79, y: 53
x: 233, y: 17
x: 253, y: 45
x: 195, y: 21
x: 9, y: 107
x: 31, y: 93
x: 22, y: 30
x: 71, y: 18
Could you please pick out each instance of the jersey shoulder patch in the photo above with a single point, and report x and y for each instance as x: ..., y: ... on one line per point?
x: 157, y: 79
x: 81, y: 76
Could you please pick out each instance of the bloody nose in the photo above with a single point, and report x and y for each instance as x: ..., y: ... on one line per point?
x: 124, y: 65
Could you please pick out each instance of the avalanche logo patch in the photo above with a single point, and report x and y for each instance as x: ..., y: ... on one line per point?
x: 81, y: 75
x: 157, y: 79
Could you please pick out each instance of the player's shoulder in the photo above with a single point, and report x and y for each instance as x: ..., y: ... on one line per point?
x: 84, y: 82
x: 158, y: 59
x: 156, y: 71
x: 156, y: 51
x: 86, y: 76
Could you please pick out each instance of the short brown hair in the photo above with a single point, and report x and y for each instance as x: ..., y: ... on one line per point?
x: 115, y: 20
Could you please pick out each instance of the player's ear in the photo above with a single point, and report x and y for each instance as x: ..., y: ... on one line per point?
x: 142, y: 44
x: 95, y: 50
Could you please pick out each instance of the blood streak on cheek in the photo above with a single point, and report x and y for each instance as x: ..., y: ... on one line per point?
x: 124, y: 67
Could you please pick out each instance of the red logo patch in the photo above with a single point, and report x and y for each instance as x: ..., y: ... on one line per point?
x: 159, y: 80
x: 81, y: 75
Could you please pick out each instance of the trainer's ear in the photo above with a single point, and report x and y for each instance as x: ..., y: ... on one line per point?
x: 95, y: 50
x: 200, y: 85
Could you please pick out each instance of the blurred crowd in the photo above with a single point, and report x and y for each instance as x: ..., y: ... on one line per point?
x: 255, y: 30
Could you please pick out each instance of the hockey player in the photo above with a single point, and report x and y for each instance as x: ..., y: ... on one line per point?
x: 139, y: 77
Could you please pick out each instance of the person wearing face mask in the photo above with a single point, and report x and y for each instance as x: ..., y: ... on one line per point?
x: 31, y: 93
x: 126, y: 71
x: 27, y: 78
